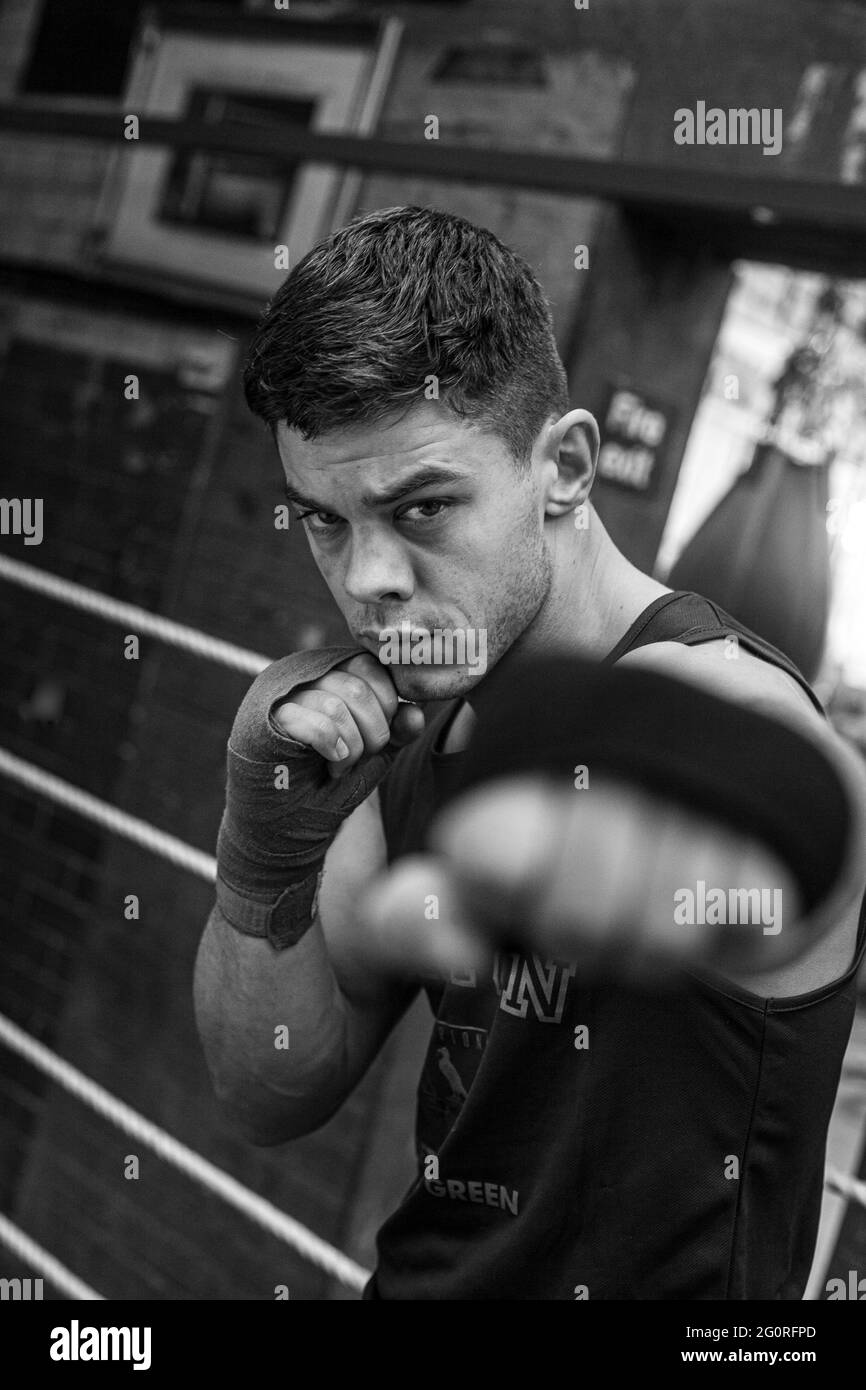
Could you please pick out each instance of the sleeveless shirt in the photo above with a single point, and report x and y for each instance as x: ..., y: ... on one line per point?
x: 598, y: 1139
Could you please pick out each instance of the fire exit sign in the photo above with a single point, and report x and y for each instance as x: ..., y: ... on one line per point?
x: 634, y: 428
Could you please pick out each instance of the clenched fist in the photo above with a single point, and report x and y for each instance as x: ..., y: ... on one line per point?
x: 315, y: 734
x: 351, y: 713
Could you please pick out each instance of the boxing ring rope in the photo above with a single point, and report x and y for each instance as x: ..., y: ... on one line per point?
x: 39, y: 1259
x: 141, y: 832
x: 130, y: 616
x: 180, y: 1156
x: 172, y: 1151
x: 176, y: 851
x: 845, y: 1186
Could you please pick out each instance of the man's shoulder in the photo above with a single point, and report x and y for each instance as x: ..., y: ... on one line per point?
x: 733, y: 673
x: 760, y: 685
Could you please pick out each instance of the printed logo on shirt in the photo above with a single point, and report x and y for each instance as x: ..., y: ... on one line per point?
x: 453, y: 1058
x: 449, y: 1070
x: 536, y: 983
x: 526, y: 987
x: 456, y: 1035
x: 488, y: 1194
x: 525, y: 983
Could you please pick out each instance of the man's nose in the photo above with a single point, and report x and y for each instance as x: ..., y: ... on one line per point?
x: 378, y: 569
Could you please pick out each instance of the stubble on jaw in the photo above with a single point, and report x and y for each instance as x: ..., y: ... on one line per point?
x: 518, y: 595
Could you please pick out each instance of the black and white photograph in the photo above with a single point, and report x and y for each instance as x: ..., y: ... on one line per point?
x: 433, y: 670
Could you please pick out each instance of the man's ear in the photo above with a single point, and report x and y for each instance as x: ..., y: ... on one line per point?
x: 573, y: 444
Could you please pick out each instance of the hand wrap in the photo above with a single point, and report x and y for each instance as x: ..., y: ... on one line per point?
x: 678, y: 740
x: 283, y: 808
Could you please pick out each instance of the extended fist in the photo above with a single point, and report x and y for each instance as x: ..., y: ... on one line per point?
x: 610, y: 878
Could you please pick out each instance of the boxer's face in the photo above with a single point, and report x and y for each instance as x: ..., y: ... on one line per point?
x: 424, y: 521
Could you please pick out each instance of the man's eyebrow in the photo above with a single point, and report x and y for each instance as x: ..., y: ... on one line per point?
x: 300, y: 500
x: 434, y: 475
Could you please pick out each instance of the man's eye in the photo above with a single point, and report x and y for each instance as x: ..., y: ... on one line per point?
x: 438, y: 504
x: 320, y: 521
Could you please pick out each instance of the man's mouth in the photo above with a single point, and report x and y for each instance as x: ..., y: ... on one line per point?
x: 407, y: 630
x: 411, y: 645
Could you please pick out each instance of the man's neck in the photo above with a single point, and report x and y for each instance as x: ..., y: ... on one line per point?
x: 595, y: 597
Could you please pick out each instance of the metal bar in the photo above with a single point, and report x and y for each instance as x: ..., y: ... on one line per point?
x: 662, y: 187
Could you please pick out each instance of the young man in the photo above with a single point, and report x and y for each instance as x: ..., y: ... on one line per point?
x: 619, y: 1100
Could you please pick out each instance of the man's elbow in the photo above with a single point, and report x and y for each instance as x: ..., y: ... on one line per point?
x: 264, y: 1132
x: 265, y: 1119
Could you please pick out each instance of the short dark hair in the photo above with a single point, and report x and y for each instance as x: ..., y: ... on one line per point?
x: 392, y: 298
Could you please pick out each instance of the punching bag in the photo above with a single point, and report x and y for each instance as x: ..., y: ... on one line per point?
x: 763, y: 555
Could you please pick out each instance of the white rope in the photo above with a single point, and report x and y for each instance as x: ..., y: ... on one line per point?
x: 130, y: 616
x: 140, y: 831
x: 171, y: 1150
x: 264, y: 1213
x: 846, y: 1185
x: 39, y: 1259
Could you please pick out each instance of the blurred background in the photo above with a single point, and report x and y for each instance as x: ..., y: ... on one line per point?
x: 710, y: 309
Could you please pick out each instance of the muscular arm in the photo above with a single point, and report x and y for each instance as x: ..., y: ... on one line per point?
x: 764, y: 687
x: 595, y: 876
x: 337, y: 1008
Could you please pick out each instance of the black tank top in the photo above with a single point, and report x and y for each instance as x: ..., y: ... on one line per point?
x: 601, y: 1140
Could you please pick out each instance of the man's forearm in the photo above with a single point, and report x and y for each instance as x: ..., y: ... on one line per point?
x: 273, y: 1025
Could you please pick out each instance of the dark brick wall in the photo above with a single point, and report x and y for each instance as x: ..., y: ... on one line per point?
x: 59, y: 447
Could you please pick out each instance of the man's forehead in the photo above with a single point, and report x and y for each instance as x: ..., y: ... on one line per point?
x: 390, y: 443
x: 378, y: 464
